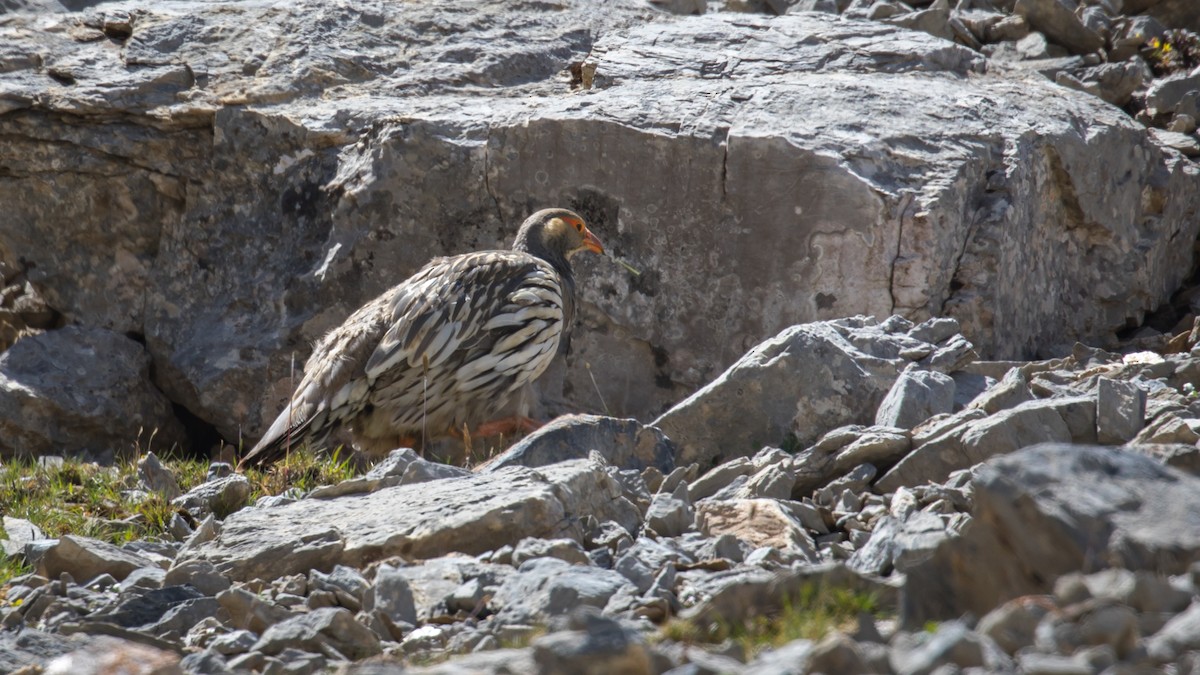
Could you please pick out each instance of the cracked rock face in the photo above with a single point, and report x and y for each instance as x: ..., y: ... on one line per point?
x: 232, y: 180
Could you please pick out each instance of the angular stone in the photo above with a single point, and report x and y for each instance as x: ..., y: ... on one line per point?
x: 761, y: 522
x: 1009, y: 392
x: 882, y: 446
x: 471, y: 515
x: 916, y: 396
x: 1045, y: 511
x: 391, y: 597
x: 1120, y: 411
x: 219, y: 497
x: 625, y: 444
x: 563, y: 549
x: 596, y: 646
x: 1059, y: 23
x: 320, y: 630
x: 156, y: 477
x: 248, y: 610
x: 19, y: 532
x: 85, y: 559
x: 670, y: 515
x: 146, y: 609
x: 199, y: 574
x: 78, y: 388
x: 805, y: 380
x: 952, y: 643
x: 547, y: 587
x: 31, y: 647
x: 1180, y: 634
x: 1012, y: 625
x: 1003, y: 433
x: 719, y: 477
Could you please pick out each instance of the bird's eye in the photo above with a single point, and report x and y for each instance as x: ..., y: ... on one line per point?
x: 578, y: 225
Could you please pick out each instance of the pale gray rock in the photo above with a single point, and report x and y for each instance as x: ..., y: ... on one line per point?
x: 32, y: 647
x: 1059, y: 23
x: 431, y: 587
x: 1012, y: 626
x: 645, y: 560
x: 771, y: 482
x: 878, y: 445
x: 346, y: 583
x: 544, y: 588
x: 1181, y: 634
x: 1053, y: 509
x: 147, y: 608
x: 391, y: 598
x: 951, y: 644
x: 625, y: 444
x: 199, y: 574
x: 85, y: 559
x: 792, y: 658
x: 318, y: 631
x: 1011, y: 391
x: 248, y: 610
x: 218, y: 498
x: 156, y: 477
x: 19, y: 532
x: 471, y: 515
x: 961, y: 447
x: 916, y: 396
x: 719, y: 477
x: 670, y: 515
x: 389, y: 471
x: 804, y: 381
x: 1120, y: 411
x: 81, y: 389
x: 568, y: 550
x: 593, y: 645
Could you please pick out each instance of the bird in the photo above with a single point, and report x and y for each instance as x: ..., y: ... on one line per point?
x: 443, y: 350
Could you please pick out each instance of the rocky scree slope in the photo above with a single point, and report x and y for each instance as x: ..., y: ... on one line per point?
x: 1071, y: 486
x: 217, y: 184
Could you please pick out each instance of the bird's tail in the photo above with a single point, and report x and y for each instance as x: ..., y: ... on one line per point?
x: 300, y: 422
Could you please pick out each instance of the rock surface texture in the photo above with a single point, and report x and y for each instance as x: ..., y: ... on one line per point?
x: 230, y: 180
x: 844, y: 212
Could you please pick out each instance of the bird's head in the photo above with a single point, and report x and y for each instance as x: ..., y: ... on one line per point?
x: 556, y: 233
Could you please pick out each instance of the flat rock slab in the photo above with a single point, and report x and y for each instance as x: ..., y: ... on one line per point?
x: 1056, y: 508
x: 469, y: 514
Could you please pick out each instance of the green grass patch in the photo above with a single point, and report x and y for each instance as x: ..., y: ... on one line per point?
x: 811, y: 614
x: 107, y: 503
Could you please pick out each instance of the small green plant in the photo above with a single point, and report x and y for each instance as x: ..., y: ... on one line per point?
x: 1177, y: 51
x: 303, y: 469
x: 813, y: 613
x: 105, y: 503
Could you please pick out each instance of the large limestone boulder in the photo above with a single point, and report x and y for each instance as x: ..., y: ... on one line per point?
x: 230, y: 180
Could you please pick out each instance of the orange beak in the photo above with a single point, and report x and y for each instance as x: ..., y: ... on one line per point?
x: 591, y: 243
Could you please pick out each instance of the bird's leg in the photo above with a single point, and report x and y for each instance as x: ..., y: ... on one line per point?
x: 508, y: 426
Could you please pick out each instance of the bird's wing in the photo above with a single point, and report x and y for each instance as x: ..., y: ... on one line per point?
x: 454, y: 305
